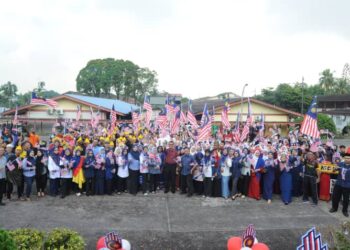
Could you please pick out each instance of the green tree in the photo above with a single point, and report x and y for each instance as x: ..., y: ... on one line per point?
x: 121, y: 77
x: 325, y: 122
x: 341, y: 86
x: 327, y: 80
x: 8, y: 94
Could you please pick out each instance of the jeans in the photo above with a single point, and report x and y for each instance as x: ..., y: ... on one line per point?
x: 224, y: 186
x: 29, y: 182
x: 235, y: 177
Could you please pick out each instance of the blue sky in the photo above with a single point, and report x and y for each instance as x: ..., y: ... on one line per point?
x: 197, y: 47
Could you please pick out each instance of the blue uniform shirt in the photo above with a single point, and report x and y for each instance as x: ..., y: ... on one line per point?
x: 187, y: 162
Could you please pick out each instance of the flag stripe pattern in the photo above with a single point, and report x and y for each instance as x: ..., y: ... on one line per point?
x: 248, y: 123
x: 42, y: 101
x: 309, y: 125
x: 224, y: 116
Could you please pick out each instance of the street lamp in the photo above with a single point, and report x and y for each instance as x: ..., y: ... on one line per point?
x: 245, y: 85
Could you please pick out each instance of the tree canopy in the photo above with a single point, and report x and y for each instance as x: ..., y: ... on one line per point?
x: 9, y: 96
x: 123, y: 78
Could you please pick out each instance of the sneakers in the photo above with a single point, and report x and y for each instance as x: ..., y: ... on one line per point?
x: 269, y: 202
x: 78, y: 194
x: 145, y: 194
x: 346, y: 214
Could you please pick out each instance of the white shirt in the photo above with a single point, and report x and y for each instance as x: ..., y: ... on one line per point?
x: 54, y: 169
x: 226, y: 167
x: 123, y: 170
x: 143, y: 164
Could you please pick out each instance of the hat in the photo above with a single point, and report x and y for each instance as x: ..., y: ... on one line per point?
x: 9, y: 146
x: 19, y: 148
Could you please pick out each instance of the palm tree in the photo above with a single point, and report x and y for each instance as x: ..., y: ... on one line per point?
x: 7, y: 92
x: 326, y: 80
x: 341, y: 86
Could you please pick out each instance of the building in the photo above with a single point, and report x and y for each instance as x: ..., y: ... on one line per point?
x: 45, y: 116
x: 337, y: 107
x: 272, y: 114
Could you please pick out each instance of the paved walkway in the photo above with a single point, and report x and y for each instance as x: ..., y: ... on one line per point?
x: 171, y: 221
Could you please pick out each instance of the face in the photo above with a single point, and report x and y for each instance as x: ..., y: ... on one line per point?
x: 67, y: 152
x: 78, y: 153
x: 347, y: 159
x: 145, y: 150
x: 56, y: 151
x: 231, y: 152
x: 257, y: 153
x: 90, y: 154
x: 187, y: 151
x: 171, y: 144
x: 9, y: 150
x: 31, y: 154
x: 270, y: 155
x: 39, y: 153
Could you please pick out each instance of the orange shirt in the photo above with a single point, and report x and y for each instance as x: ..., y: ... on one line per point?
x: 34, y: 139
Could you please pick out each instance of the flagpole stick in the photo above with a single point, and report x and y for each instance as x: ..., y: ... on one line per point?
x: 245, y: 85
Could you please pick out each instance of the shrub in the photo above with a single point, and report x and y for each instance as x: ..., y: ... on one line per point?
x: 61, y: 238
x: 6, y: 241
x: 27, y: 238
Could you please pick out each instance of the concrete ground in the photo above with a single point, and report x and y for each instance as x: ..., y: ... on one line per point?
x: 171, y: 221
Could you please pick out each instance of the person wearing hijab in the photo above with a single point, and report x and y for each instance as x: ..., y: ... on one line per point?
x: 256, y: 163
x: 66, y: 165
x: 236, y: 169
x: 89, y: 172
x: 198, y: 171
x: 154, y: 169
x: 54, y: 171
x: 269, y: 177
x: 216, y: 155
x: 15, y: 172
x: 134, y: 169
x: 100, y: 172
x: 208, y: 170
x: 78, y: 174
x: 110, y: 171
x: 245, y: 173
x: 225, y: 165
x: 41, y: 172
x: 123, y: 170
x: 144, y: 170
x: 29, y: 172
x: 285, y: 180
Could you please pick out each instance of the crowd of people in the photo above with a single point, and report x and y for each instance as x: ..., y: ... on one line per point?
x: 127, y: 160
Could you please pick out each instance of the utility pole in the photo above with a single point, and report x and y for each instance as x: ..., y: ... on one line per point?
x: 302, y: 95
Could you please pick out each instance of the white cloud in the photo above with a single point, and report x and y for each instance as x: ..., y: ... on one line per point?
x: 197, y: 47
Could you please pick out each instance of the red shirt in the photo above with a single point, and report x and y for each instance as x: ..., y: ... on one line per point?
x: 170, y: 156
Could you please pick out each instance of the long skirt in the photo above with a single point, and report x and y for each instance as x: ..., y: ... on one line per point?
x: 254, y: 188
x: 324, y: 187
x: 269, y: 178
x: 286, y: 187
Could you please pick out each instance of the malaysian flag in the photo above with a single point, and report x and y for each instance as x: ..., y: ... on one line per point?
x: 248, y: 123
x: 205, y: 110
x: 312, y: 241
x: 309, y: 126
x: 236, y: 135
x: 112, y: 239
x: 15, y: 118
x: 78, y: 113
x: 161, y: 119
x: 190, y: 116
x: 249, y: 236
x: 183, y: 118
x: 42, y: 101
x: 95, y: 118
x: 135, y: 116
x: 147, y: 105
x: 169, y: 107
x: 224, y: 115
x: 113, y: 117
x: 262, y: 125
x: 205, y: 129
x: 176, y: 123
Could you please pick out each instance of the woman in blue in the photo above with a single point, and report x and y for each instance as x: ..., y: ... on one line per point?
x: 110, y: 171
x: 89, y: 172
x: 225, y: 165
x: 154, y: 168
x: 208, y: 171
x: 236, y: 173
x: 285, y: 180
x: 269, y: 177
x: 100, y: 172
x: 134, y: 169
x: 29, y: 172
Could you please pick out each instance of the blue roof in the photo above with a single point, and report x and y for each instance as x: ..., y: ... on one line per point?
x: 119, y: 106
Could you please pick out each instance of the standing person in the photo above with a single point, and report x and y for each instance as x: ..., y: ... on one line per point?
x: 78, y: 174
x: 311, y: 177
x: 54, y: 171
x: 216, y: 155
x: 110, y: 171
x: 170, y: 168
x: 297, y: 182
x: 161, y: 155
x: 225, y: 164
x: 257, y: 163
x: 342, y: 186
x: 89, y: 172
x: 100, y: 172
x: 187, y: 165
x: 269, y: 177
x: 285, y: 180
x: 66, y: 165
x: 154, y: 169
x: 236, y: 169
x: 34, y: 139
x: 144, y: 171
x: 245, y: 173
x: 198, y: 171
x: 134, y: 169
x: 29, y: 172
x: 208, y: 171
x: 41, y: 172
x: 123, y: 171
x: 9, y: 186
x: 15, y: 173
x: 3, y: 161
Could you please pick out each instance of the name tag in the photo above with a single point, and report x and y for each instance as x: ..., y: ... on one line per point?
x: 328, y: 168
